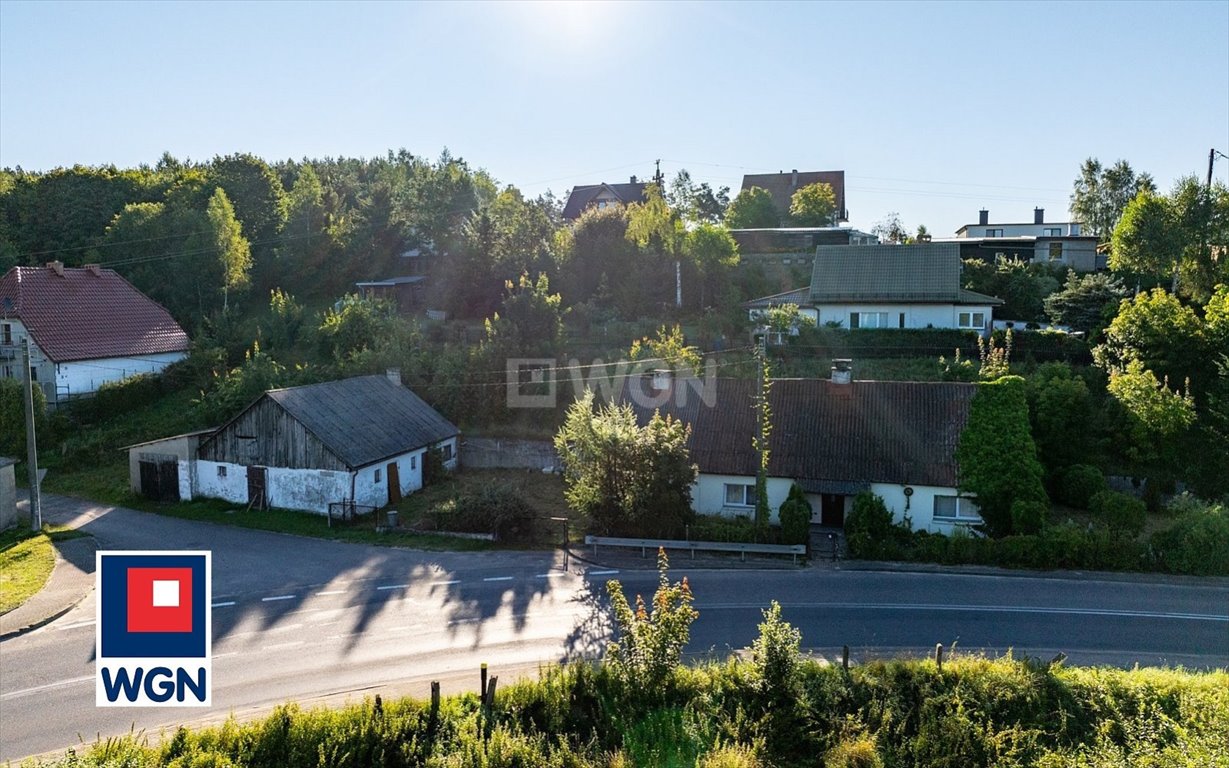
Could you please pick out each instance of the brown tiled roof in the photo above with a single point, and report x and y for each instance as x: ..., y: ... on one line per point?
x: 582, y: 196
x: 782, y: 187
x: 87, y: 315
x: 826, y: 435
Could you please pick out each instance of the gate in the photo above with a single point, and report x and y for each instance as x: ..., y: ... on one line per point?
x: 257, y: 496
x: 160, y: 480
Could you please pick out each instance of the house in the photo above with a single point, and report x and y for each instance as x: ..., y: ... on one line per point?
x: 360, y: 441
x: 782, y: 187
x: 405, y: 292
x: 87, y: 326
x: 833, y: 437
x: 1057, y: 243
x: 888, y: 286
x: 602, y: 196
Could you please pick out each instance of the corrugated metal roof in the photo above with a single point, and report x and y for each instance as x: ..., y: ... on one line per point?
x: 87, y: 315
x: 364, y: 419
x: 827, y: 435
x: 924, y: 272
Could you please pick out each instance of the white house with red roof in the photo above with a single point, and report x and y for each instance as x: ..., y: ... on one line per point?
x: 87, y: 326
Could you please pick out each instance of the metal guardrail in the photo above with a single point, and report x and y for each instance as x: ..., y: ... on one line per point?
x: 644, y: 545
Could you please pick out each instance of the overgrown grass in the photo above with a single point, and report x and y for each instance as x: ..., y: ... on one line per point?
x: 543, y: 492
x: 973, y: 712
x: 26, y: 561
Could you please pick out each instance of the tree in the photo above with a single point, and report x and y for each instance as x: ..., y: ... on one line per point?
x: 1022, y: 286
x: 356, y: 325
x: 670, y: 348
x: 259, y: 203
x: 1086, y: 302
x: 596, y: 252
x: 813, y: 206
x: 1160, y: 418
x: 654, y: 226
x: 753, y: 209
x: 996, y: 455
x: 1100, y: 195
x: 648, y: 644
x: 532, y: 322
x: 1061, y: 415
x: 13, y: 416
x: 892, y: 230
x: 233, y: 252
x: 697, y: 203
x: 760, y: 441
x: 713, y: 252
x: 626, y: 479
x: 1163, y: 334
x: 786, y: 319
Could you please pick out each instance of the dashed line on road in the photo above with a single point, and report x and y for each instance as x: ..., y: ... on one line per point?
x: 602, y: 573
x: 551, y: 575
x: 391, y: 586
x: 444, y: 583
x: 226, y: 604
x: 282, y: 646
x: 277, y: 597
x: 498, y: 578
x: 331, y: 592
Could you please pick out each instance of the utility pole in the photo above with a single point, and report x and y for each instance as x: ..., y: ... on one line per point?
x: 657, y: 178
x: 36, y: 511
x: 1211, y: 159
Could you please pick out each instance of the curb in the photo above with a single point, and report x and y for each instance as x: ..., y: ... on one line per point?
x: 64, y: 607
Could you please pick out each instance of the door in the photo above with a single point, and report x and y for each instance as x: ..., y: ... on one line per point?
x: 257, y: 497
x: 160, y: 480
x: 394, y: 484
x: 833, y: 510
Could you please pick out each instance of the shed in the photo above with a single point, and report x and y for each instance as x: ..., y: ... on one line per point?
x: 155, y: 466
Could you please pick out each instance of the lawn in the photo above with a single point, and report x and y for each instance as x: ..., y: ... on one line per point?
x: 26, y: 562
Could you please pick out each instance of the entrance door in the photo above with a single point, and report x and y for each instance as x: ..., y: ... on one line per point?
x: 833, y: 510
x: 160, y: 480
x: 257, y: 497
x: 394, y: 484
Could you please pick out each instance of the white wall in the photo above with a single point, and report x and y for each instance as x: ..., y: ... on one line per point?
x: 83, y: 377
x: 409, y: 472
x: 207, y: 483
x: 916, y: 315
x: 708, y: 495
x: 921, y: 506
x: 307, y: 490
x: 1022, y: 230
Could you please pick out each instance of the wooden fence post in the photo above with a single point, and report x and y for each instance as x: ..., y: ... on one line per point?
x: 845, y: 657
x: 939, y: 656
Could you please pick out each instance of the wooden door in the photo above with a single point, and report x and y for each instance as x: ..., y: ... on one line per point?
x: 833, y: 510
x: 160, y: 480
x: 394, y: 484
x: 257, y: 497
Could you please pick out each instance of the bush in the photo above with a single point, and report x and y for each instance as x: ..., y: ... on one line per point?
x: 497, y: 509
x: 868, y: 527
x: 775, y: 654
x: 1078, y: 483
x: 1028, y: 517
x: 1120, y: 512
x: 859, y: 752
x: 118, y: 397
x: 13, y: 416
x: 731, y: 530
x: 1198, y: 542
x: 795, y: 516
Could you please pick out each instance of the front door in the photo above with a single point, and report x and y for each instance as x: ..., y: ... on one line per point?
x: 394, y: 484
x: 833, y: 510
x: 257, y: 498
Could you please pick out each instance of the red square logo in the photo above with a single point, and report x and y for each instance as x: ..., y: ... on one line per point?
x: 159, y: 599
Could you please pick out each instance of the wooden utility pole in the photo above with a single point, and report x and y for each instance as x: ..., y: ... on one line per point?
x: 36, y: 511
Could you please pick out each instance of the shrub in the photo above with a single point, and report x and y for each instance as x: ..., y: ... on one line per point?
x: 868, y: 526
x: 740, y: 530
x: 1120, y: 512
x: 497, y: 509
x: 117, y: 397
x: 795, y: 515
x: 1198, y: 542
x: 858, y: 752
x: 13, y: 416
x: 649, y: 644
x: 1028, y: 517
x: 1078, y: 483
x: 775, y: 654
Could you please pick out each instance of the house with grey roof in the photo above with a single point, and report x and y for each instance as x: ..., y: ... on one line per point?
x: 1057, y: 243
x: 359, y: 441
x: 602, y: 196
x: 833, y: 437
x: 781, y: 187
x: 888, y: 286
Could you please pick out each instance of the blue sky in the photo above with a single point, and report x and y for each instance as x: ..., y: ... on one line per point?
x: 932, y: 110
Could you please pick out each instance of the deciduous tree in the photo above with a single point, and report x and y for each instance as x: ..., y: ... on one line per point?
x: 753, y: 209
x: 813, y: 206
x: 1101, y: 194
x: 657, y: 228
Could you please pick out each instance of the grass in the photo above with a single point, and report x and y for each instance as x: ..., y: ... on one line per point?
x: 26, y: 561
x: 543, y: 492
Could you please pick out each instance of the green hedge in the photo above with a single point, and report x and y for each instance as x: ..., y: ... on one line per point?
x: 862, y: 343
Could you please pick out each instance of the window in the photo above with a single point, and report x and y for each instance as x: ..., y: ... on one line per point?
x: 902, y: 320
x: 853, y: 319
x: 738, y: 495
x: 221, y: 471
x: 33, y: 373
x: 869, y: 320
x: 1054, y: 231
x: 994, y: 233
x: 957, y: 508
x: 377, y: 475
x: 413, y: 462
x: 8, y: 333
x: 1056, y: 251
x: 974, y: 320
x: 447, y: 451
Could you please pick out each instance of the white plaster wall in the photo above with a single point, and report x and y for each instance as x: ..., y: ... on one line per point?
x: 179, y: 447
x: 232, y: 488
x: 82, y: 377
x: 916, y: 315
x: 453, y: 463
x: 409, y: 473
x: 187, y: 483
x: 1022, y: 230
x: 708, y: 495
x: 921, y: 506
x: 307, y: 490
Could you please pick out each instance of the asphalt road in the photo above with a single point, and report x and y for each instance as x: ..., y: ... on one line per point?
x: 314, y: 621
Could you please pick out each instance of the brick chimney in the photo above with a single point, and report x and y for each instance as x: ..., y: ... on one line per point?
x: 394, y: 375
x: 57, y: 267
x: 1039, y: 215
x: 842, y: 371
x: 794, y: 181
x: 94, y: 269
x: 983, y: 217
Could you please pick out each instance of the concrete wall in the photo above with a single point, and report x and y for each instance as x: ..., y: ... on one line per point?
x: 916, y: 315
x: 495, y: 453
x: 374, y: 493
x: 306, y: 490
x: 207, y: 482
x: 181, y: 447
x: 8, y: 495
x: 83, y: 377
x: 708, y: 495
x: 1080, y: 255
x: 920, y: 506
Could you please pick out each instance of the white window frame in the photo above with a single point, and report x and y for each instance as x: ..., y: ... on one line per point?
x: 413, y: 462
x: 996, y: 232
x: 748, y: 495
x: 377, y: 476
x: 967, y: 510
x: 969, y: 320
x: 871, y: 320
x: 1054, y: 232
x: 221, y: 470
x: 446, y: 451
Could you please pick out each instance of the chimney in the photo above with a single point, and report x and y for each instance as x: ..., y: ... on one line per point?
x: 661, y: 379
x: 57, y: 267
x: 94, y: 270
x: 983, y: 217
x: 633, y: 179
x: 1039, y: 215
x: 394, y: 375
x: 842, y: 373
x: 794, y: 182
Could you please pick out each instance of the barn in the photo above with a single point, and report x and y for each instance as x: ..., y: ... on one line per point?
x: 361, y: 440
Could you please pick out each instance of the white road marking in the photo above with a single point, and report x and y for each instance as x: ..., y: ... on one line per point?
x: 77, y: 625
x: 392, y: 586
x: 223, y: 605
x: 444, y: 583
x: 551, y: 575
x: 498, y: 578
x: 47, y: 687
x: 331, y: 592
x: 280, y: 646
x: 276, y: 597
x: 602, y: 573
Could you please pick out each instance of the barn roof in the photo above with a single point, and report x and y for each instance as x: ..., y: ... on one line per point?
x: 364, y: 419
x: 825, y: 435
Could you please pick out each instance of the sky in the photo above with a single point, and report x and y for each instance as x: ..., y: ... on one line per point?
x: 933, y: 111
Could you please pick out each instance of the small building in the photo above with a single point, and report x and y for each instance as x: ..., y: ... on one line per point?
x: 405, y: 292
x: 833, y: 437
x: 8, y: 493
x: 602, y: 196
x: 888, y: 286
x: 782, y: 186
x: 1058, y: 243
x: 361, y: 440
x: 87, y: 326
x: 156, y: 468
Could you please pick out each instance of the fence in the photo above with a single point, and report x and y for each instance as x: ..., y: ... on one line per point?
x: 644, y: 545
x: 347, y: 512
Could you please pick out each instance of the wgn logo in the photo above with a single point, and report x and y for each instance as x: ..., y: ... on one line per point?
x: 154, y: 629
